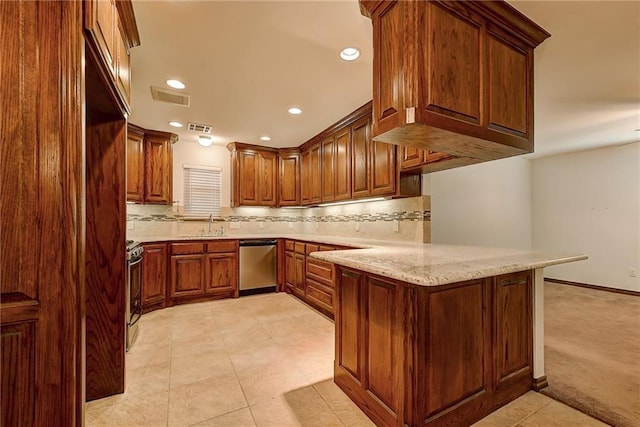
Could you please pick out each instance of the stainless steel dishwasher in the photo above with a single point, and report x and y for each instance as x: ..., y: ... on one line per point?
x: 257, y: 266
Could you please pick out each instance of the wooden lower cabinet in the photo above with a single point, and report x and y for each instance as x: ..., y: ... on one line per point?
x: 154, y: 277
x: 203, y: 270
x: 221, y: 274
x: 441, y: 355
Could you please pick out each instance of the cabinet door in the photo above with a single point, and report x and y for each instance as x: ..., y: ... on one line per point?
x: 290, y: 271
x: 383, y: 169
x: 154, y: 275
x: 300, y: 275
x: 411, y: 157
x: 315, y: 162
x: 187, y: 275
x: 328, y: 171
x: 135, y: 167
x: 158, y: 168
x: 221, y: 274
x: 305, y: 178
x: 267, y: 179
x: 248, y: 173
x: 123, y: 66
x: 100, y: 20
x: 361, y: 141
x: 342, y: 164
x: 289, y: 179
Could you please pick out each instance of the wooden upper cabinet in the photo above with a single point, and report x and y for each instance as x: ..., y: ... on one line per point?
x: 135, y: 164
x: 267, y: 177
x: 158, y: 167
x: 311, y: 174
x: 254, y: 175
x: 289, y: 178
x: 328, y: 169
x: 342, y: 164
x: 383, y: 169
x: 111, y: 26
x: 360, y: 149
x: 453, y: 77
x: 149, y: 165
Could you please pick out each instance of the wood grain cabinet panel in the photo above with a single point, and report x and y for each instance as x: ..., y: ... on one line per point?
x: 154, y: 276
x: 383, y: 169
x: 187, y: 275
x: 342, y: 164
x: 135, y: 165
x: 158, y: 168
x: 314, y: 174
x: 123, y: 65
x: 453, y: 77
x: 305, y: 177
x: 18, y: 374
x: 360, y: 157
x: 254, y: 175
x: 300, y: 278
x: 290, y: 271
x: 101, y: 20
x: 514, y: 333
x: 221, y: 274
x: 289, y: 179
x: 350, y: 326
x: 328, y: 189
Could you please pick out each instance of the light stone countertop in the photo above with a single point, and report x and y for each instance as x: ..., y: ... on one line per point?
x: 423, y: 264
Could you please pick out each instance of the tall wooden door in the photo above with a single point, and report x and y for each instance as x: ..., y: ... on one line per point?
x: 41, y: 232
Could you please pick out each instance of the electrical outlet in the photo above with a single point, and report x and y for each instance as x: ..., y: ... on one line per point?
x: 130, y: 225
x: 234, y: 225
x: 396, y: 225
x: 633, y: 272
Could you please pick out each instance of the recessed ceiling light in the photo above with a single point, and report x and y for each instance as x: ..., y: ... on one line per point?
x: 350, y: 53
x: 295, y: 111
x: 265, y: 138
x: 205, y: 140
x: 175, y: 124
x: 176, y: 84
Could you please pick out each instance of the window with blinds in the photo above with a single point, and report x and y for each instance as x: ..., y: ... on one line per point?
x: 202, y: 191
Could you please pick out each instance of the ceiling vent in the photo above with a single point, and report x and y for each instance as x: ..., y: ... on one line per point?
x: 170, y: 96
x: 199, y: 128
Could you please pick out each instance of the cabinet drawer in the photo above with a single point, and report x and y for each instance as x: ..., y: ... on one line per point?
x: 222, y: 246
x: 327, y: 248
x: 288, y: 245
x: 321, y: 271
x: 299, y: 247
x: 187, y: 248
x: 319, y: 293
x: 312, y: 247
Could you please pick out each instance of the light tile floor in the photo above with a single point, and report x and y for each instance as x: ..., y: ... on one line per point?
x: 264, y: 360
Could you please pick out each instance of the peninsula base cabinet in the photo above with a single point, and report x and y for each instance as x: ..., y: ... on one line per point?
x: 442, y: 355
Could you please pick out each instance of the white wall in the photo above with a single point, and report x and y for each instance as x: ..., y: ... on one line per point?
x: 488, y: 204
x: 193, y: 153
x: 588, y: 202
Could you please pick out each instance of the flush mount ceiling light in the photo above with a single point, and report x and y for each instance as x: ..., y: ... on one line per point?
x: 175, y: 124
x: 176, y: 84
x: 295, y: 111
x: 205, y: 140
x: 265, y: 138
x: 350, y: 53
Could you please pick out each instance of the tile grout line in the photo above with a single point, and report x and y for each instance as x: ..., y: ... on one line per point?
x: 531, y: 414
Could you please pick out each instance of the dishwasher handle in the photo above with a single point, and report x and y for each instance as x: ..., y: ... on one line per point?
x: 258, y: 242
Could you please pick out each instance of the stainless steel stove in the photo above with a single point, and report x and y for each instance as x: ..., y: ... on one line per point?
x: 133, y: 308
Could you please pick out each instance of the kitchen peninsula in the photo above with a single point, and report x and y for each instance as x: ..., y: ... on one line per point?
x: 438, y: 334
x: 431, y: 334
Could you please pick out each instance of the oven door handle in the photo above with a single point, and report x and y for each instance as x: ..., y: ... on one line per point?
x: 134, y: 263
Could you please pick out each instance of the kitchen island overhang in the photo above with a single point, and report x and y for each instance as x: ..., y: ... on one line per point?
x: 437, y: 334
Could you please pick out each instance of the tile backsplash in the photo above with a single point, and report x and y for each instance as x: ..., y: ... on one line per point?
x: 398, y: 219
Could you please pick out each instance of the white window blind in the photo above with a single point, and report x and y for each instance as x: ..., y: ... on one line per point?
x: 202, y: 188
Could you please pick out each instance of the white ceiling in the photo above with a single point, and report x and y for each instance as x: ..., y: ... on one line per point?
x: 245, y: 63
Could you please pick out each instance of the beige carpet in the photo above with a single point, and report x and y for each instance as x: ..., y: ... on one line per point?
x: 592, y: 352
